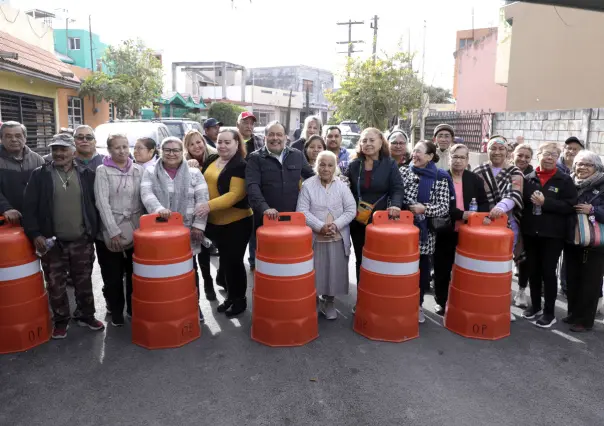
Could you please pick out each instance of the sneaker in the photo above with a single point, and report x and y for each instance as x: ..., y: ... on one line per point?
x: 92, y: 323
x: 60, y: 331
x: 329, y: 310
x: 569, y: 319
x: 238, y: 307
x: 521, y: 299
x: 439, y: 310
x: 546, y: 321
x: 117, y: 321
x: 530, y: 314
x: 421, y: 317
x: 222, y: 308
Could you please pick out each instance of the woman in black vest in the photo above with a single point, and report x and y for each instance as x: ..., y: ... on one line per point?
x: 230, y: 220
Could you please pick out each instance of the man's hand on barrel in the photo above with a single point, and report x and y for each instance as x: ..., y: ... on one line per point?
x: 272, y: 214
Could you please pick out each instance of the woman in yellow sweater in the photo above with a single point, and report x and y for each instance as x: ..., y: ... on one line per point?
x: 230, y: 220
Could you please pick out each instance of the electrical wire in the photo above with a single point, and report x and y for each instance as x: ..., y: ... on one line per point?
x: 5, y: 17
x: 559, y: 16
x: 29, y: 18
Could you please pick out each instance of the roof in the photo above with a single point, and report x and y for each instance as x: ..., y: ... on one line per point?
x: 64, y: 58
x: 35, y: 62
x: 182, y: 99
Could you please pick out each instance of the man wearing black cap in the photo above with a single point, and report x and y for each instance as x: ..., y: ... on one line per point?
x: 572, y: 146
x: 211, y: 127
x: 443, y: 137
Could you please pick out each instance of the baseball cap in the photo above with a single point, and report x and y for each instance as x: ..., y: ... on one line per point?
x: 246, y: 114
x: 211, y: 122
x: 444, y: 126
x: 62, y: 139
x: 575, y: 140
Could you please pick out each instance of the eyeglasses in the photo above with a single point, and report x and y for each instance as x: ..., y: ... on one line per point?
x: 142, y: 148
x: 89, y: 138
x: 398, y: 143
x: 173, y: 151
x: 585, y: 165
x: 458, y: 158
x: 549, y: 154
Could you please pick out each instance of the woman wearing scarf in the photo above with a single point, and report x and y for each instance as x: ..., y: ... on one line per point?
x: 503, y: 184
x: 523, y: 155
x: 145, y: 152
x: 585, y: 265
x: 398, y: 148
x: 428, y: 195
x: 117, y: 191
x: 549, y: 199
x: 172, y: 186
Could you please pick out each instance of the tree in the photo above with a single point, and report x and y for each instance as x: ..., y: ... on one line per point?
x: 133, y: 79
x: 438, y: 95
x: 373, y: 93
x: 226, y: 113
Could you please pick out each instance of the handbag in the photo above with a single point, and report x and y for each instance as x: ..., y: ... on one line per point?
x: 364, y: 209
x: 440, y: 224
x: 127, y: 228
x: 588, y: 232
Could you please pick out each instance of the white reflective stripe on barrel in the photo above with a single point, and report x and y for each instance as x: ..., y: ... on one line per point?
x: 484, y: 266
x: 21, y: 271
x: 390, y: 268
x: 285, y: 269
x: 163, y: 271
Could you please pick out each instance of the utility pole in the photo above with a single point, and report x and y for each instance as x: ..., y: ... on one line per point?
x: 351, y: 42
x: 374, y: 25
x: 90, y: 35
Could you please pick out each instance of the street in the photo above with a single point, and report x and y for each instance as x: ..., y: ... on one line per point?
x: 536, y: 376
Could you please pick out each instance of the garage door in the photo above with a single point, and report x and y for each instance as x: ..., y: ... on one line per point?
x: 36, y: 113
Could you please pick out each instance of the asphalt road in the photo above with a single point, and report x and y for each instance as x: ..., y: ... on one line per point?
x: 534, y: 377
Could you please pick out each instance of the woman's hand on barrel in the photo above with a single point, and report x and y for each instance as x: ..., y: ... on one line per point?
x: 496, y: 213
x: 203, y: 209
x: 13, y: 216
x: 116, y: 243
x: 164, y: 213
x: 394, y: 212
x: 272, y: 214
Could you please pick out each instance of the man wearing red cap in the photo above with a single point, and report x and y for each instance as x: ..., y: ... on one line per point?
x: 245, y: 125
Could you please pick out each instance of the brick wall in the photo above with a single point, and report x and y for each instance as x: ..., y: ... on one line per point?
x: 553, y: 126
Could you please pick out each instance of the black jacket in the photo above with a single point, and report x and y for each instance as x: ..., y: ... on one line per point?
x: 594, y: 195
x: 472, y: 187
x: 250, y: 145
x: 299, y: 144
x: 38, y: 207
x: 209, y: 141
x: 272, y: 185
x: 14, y: 176
x: 560, y: 198
x: 385, y: 179
x: 234, y: 168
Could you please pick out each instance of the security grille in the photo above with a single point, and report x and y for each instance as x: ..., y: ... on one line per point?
x: 471, y: 127
x: 36, y: 113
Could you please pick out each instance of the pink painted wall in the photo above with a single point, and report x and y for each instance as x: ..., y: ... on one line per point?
x: 476, y: 88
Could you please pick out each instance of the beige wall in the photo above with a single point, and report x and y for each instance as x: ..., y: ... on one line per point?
x: 33, y: 32
x: 556, y: 62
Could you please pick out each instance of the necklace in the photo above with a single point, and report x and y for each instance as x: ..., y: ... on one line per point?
x: 66, y: 181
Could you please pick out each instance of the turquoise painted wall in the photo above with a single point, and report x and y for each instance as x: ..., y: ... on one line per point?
x: 81, y: 57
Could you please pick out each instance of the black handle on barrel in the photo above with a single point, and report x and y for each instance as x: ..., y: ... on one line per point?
x: 161, y: 219
x: 286, y: 218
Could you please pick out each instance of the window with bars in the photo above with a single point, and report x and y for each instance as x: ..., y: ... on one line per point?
x: 264, y: 117
x: 36, y: 113
x: 75, y: 114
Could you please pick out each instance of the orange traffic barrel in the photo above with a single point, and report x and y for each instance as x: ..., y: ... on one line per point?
x: 24, y: 314
x: 481, y: 283
x: 284, y: 309
x: 165, y: 304
x: 388, y: 291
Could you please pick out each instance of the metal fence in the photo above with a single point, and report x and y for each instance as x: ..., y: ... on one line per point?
x: 471, y: 127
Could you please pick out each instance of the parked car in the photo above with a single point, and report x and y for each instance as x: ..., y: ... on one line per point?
x: 352, y: 124
x: 179, y: 127
x: 133, y: 129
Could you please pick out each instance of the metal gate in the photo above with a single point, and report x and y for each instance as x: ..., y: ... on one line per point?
x: 37, y: 114
x: 471, y: 127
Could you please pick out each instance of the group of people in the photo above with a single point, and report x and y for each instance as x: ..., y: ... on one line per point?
x: 225, y: 182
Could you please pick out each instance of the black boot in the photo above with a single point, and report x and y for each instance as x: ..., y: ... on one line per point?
x: 239, y: 306
x: 208, y: 287
x: 224, y: 306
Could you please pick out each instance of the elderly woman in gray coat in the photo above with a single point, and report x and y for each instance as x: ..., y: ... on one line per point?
x: 329, y: 207
x: 172, y: 186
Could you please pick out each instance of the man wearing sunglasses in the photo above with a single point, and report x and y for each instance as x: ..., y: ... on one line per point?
x: 86, y: 154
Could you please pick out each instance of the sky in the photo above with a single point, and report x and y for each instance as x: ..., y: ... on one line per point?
x: 281, y: 32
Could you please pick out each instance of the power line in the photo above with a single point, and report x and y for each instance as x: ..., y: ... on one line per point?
x: 351, y: 42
